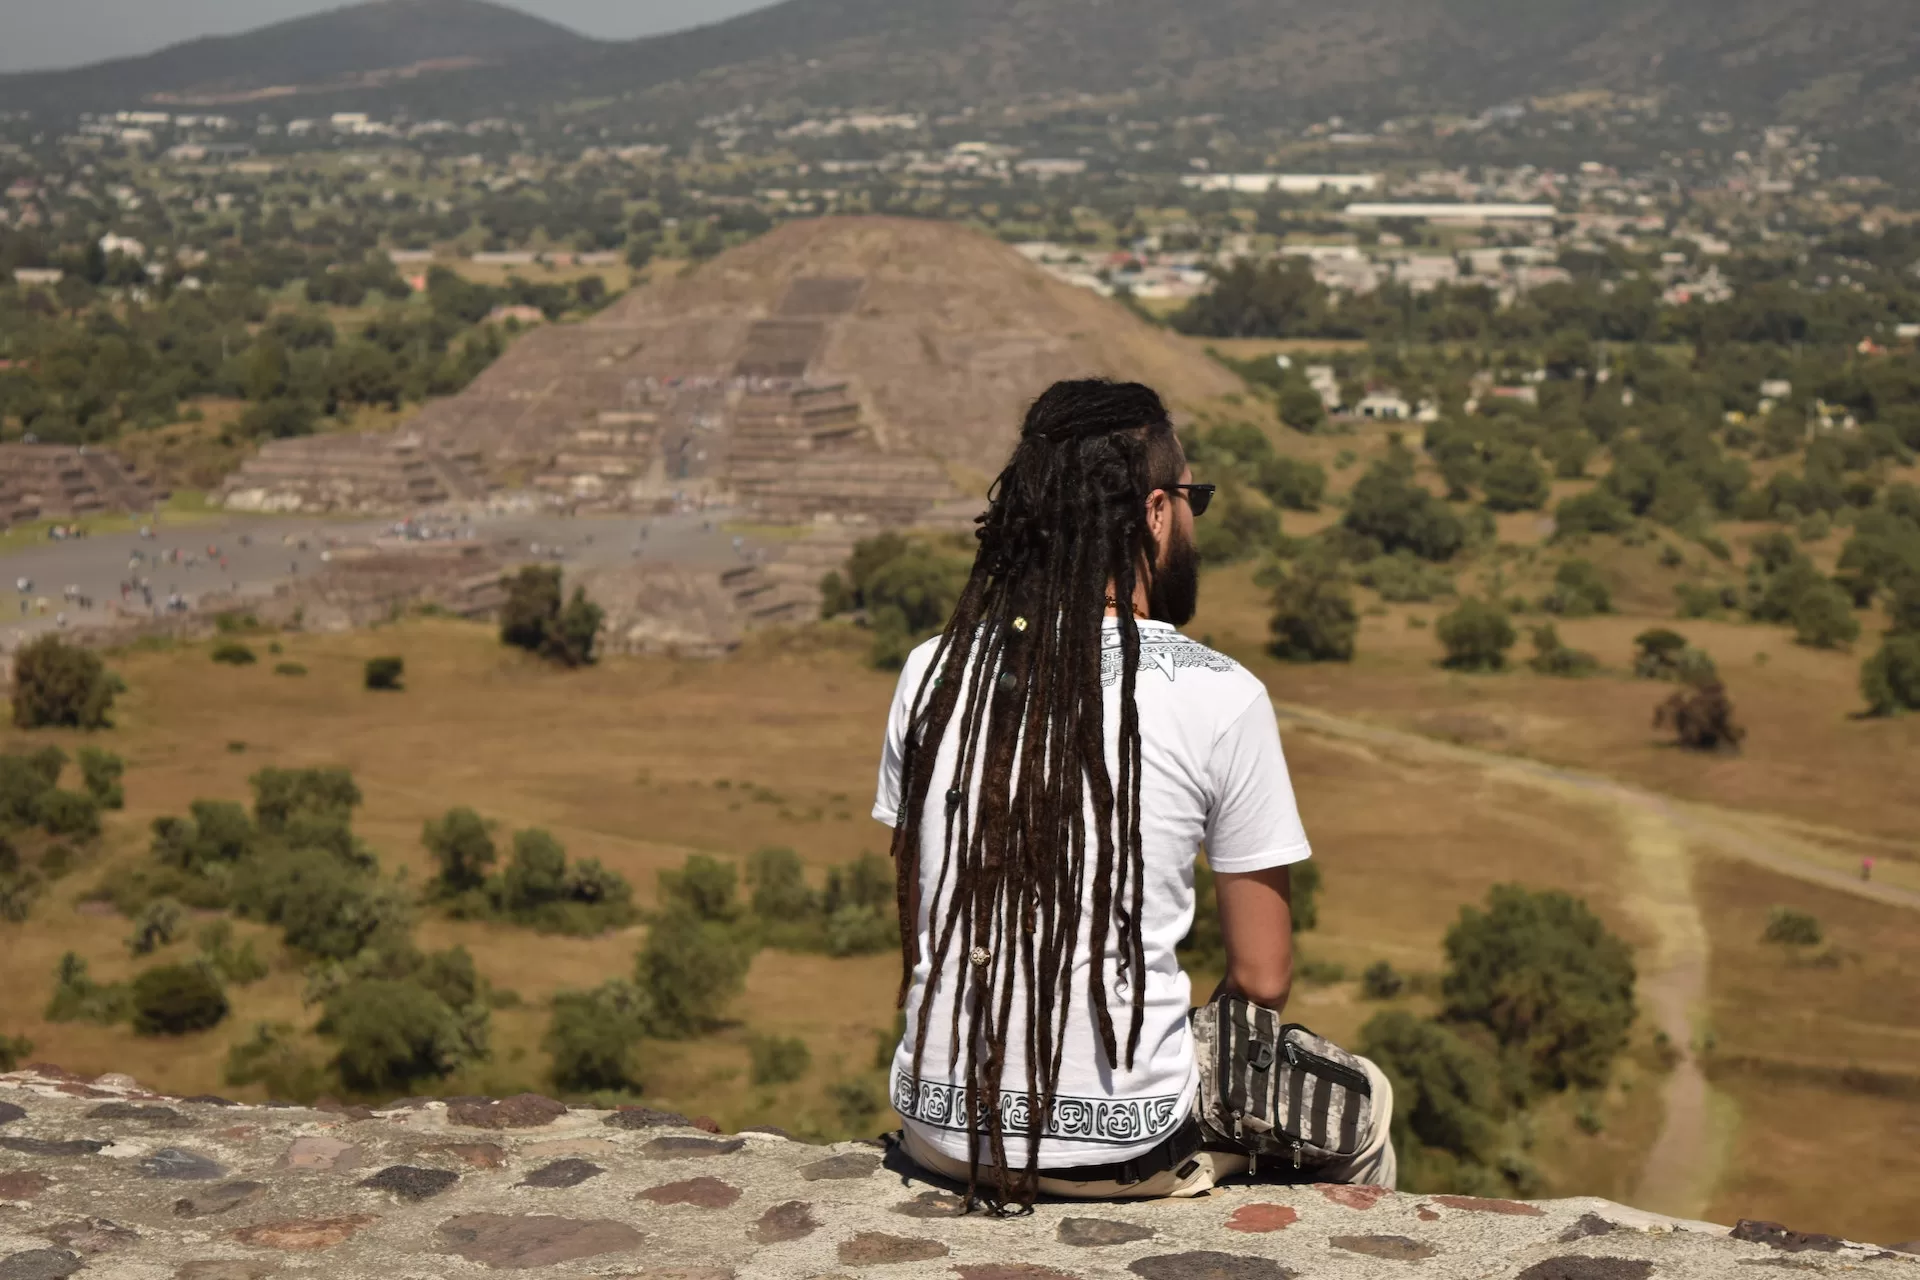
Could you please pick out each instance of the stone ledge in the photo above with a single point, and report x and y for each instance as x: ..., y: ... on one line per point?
x: 104, y: 1179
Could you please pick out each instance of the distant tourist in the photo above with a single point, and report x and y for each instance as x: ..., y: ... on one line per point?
x: 1052, y: 763
x: 1866, y: 868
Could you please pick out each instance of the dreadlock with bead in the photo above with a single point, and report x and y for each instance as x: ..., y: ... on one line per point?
x: 1065, y: 537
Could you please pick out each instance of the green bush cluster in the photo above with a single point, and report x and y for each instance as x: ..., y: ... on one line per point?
x: 905, y: 588
x: 1403, y: 578
x: 1476, y: 636
x: 1579, y: 591
x: 56, y: 685
x: 537, y: 887
x: 1389, y: 506
x: 853, y: 914
x: 1313, y: 615
x: 537, y: 617
x: 1552, y: 657
x: 384, y: 675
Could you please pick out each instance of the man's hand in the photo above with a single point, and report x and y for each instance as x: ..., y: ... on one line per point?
x: 1256, y: 922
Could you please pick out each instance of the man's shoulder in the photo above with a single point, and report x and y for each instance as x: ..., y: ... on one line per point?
x: 1183, y: 662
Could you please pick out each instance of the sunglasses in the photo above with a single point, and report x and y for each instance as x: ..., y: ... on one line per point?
x: 1199, y: 496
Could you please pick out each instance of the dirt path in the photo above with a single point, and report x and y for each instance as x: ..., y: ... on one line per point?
x: 1684, y: 1162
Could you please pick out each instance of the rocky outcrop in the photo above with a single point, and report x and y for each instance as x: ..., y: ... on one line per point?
x: 103, y: 1178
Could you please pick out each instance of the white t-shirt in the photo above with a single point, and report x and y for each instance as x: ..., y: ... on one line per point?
x: 1212, y: 771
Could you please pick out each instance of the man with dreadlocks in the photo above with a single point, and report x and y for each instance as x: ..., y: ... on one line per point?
x: 1053, y: 761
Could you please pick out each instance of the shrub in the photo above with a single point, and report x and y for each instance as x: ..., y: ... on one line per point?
x: 100, y: 773
x: 175, y: 999
x: 1823, y: 617
x: 860, y: 931
x: 271, y: 1056
x: 1388, y: 506
x: 240, y: 964
x: 1402, y: 578
x: 1381, y: 981
x: 323, y: 905
x: 1313, y: 618
x: 385, y: 673
x: 1578, y: 591
x: 1661, y: 654
x: 1513, y: 481
x: 462, y: 847
x: 392, y: 1035
x: 56, y: 684
x: 1446, y: 1094
x: 777, y: 1060
x: 1292, y: 483
x: 689, y: 969
x: 1593, y: 512
x: 24, y: 782
x: 157, y: 926
x: 1476, y: 636
x: 69, y: 813
x: 536, y: 873
x: 1701, y: 717
x: 289, y: 669
x: 1546, y: 977
x: 14, y: 1050
x: 282, y: 797
x: 593, y: 1037
x: 234, y: 654
x: 1792, y: 928
x: 1552, y: 658
x: 705, y: 887
x: 78, y: 998
x: 779, y: 886
x: 535, y: 619
x: 1699, y: 600
x: 1890, y: 679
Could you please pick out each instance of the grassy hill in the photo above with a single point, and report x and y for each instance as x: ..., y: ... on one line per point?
x: 1846, y: 68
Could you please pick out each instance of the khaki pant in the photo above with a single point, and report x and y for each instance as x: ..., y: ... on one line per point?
x: 1373, y: 1164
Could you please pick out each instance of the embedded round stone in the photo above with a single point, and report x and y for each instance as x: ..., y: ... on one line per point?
x: 23, y: 1186
x: 1392, y: 1248
x: 876, y: 1249
x: 410, y: 1182
x: 9, y: 1113
x: 1778, y: 1237
x: 303, y: 1234
x: 159, y: 1117
x: 561, y: 1173
x: 39, y: 1264
x: 181, y: 1165
x: 326, y: 1154
x: 701, y: 1193
x: 45, y: 1147
x: 223, y: 1269
x: 1589, y: 1224
x: 933, y: 1204
x: 522, y: 1111
x: 1352, y: 1197
x: 209, y: 1201
x: 645, y: 1118
x: 91, y: 1235
x: 1581, y: 1267
x: 1011, y: 1271
x: 676, y: 1148
x: 789, y: 1220
x: 1258, y: 1219
x: 1095, y: 1233
x: 841, y: 1168
x: 506, y: 1241
x: 1480, y: 1204
x: 212, y: 1100
x: 1206, y: 1265
x: 477, y: 1155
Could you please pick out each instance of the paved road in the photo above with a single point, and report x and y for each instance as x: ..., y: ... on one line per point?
x: 261, y: 552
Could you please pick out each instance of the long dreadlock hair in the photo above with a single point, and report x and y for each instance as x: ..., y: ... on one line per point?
x: 1020, y: 662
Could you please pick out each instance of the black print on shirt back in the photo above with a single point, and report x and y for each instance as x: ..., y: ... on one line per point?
x: 1119, y: 1121
x: 1162, y: 651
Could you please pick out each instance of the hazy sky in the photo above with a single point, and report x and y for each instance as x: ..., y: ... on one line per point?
x: 62, y: 33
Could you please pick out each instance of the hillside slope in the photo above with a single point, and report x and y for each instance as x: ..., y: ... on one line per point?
x: 364, y: 44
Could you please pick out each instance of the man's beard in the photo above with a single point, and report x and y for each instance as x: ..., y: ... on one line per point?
x: 1174, y: 593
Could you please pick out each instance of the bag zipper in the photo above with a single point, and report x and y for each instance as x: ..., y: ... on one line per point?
x: 1315, y: 1064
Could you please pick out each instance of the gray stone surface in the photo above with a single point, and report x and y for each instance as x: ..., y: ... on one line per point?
x: 674, y: 1203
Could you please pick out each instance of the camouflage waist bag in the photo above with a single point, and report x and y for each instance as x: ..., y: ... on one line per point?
x: 1275, y: 1089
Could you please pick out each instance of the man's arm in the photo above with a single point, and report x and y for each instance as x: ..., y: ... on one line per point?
x: 1256, y: 923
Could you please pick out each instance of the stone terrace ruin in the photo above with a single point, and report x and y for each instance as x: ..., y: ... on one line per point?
x: 352, y: 473
x: 104, y: 1179
x: 862, y: 370
x: 56, y: 481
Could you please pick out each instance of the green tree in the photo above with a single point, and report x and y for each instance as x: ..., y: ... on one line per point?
x: 282, y: 797
x: 1547, y: 978
x: 1313, y: 617
x: 1579, y: 590
x: 1278, y: 298
x: 689, y: 970
x: 385, y: 673
x: 1514, y: 481
x: 1701, y: 718
x: 177, y: 998
x: 778, y: 884
x: 69, y: 813
x: 158, y: 925
x: 1551, y: 657
x: 392, y: 1035
x: 462, y: 847
x: 61, y: 685
x: 536, y: 872
x: 101, y: 772
x: 1593, y: 512
x: 1446, y: 1097
x: 706, y: 887
x: 1387, y: 506
x: 1476, y: 636
x: 533, y: 618
x: 14, y: 1050
x: 594, y: 1038
x: 1292, y: 483
x: 1890, y: 679
x: 1823, y: 617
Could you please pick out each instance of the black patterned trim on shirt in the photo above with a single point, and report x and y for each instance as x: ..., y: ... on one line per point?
x: 1113, y: 1121
x: 1162, y: 651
